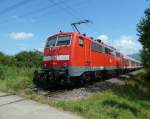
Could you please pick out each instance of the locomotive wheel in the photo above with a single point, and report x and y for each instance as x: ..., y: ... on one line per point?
x: 42, y: 81
x: 85, y: 78
x: 35, y: 78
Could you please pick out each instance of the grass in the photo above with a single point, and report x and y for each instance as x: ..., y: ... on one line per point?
x: 14, y: 79
x: 131, y: 101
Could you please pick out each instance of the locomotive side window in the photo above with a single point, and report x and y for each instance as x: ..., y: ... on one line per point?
x: 113, y: 52
x: 81, y: 42
x: 108, y: 51
x: 96, y: 47
x: 63, y: 40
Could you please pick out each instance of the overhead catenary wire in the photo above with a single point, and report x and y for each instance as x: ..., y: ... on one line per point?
x: 40, y: 10
x: 65, y: 9
x: 74, y: 11
x: 3, y: 1
x: 15, y: 6
x: 43, y: 9
x: 61, y: 3
x: 37, y: 11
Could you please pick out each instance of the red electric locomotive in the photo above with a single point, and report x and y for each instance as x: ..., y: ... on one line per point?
x: 71, y: 57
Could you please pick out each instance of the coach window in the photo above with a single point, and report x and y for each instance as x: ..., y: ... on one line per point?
x: 96, y: 47
x: 107, y: 51
x: 113, y: 53
x: 118, y: 54
x: 81, y: 41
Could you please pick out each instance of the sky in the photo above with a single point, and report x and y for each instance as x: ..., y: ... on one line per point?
x: 26, y: 24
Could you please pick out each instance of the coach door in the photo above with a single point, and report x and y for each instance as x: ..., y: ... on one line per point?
x: 87, y: 54
x: 85, y: 44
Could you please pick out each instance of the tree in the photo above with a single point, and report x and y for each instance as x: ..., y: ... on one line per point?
x: 143, y: 29
x: 22, y: 59
x: 29, y: 59
x: 7, y: 60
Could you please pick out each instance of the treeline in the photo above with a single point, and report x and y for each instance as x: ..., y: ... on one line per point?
x: 143, y: 29
x: 22, y: 59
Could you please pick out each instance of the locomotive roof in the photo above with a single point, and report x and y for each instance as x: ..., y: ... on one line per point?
x: 100, y: 43
x: 62, y: 33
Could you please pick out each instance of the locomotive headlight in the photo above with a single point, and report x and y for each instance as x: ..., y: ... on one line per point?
x: 45, y: 65
x: 65, y: 64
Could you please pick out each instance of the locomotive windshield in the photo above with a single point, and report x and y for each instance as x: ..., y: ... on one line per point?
x: 51, y: 42
x: 58, y: 41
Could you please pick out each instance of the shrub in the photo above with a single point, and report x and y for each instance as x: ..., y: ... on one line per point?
x: 2, y: 75
x: 147, y: 74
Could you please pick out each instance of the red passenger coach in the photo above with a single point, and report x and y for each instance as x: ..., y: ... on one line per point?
x: 70, y: 55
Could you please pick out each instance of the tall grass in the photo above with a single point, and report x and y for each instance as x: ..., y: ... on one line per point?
x: 131, y: 101
x: 13, y: 79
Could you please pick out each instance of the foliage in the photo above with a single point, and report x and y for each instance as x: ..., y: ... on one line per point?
x: 143, y: 29
x: 125, y: 102
x: 16, y: 72
x: 1, y: 73
x: 22, y: 59
x: 28, y: 59
x: 7, y: 60
x: 16, y: 78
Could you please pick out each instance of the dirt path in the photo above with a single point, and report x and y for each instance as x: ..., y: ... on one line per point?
x: 14, y: 107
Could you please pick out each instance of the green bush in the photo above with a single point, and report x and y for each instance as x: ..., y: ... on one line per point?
x: 147, y: 74
x: 2, y: 75
x: 28, y: 59
x: 16, y: 79
x: 22, y: 59
x: 18, y: 70
x: 144, y: 38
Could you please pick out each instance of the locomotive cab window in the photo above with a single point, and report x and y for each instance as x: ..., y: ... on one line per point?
x: 81, y: 41
x: 63, y: 40
x: 51, y: 41
x: 58, y: 41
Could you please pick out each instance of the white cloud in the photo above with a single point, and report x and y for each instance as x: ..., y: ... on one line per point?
x: 103, y: 37
x: 127, y: 45
x: 21, y: 35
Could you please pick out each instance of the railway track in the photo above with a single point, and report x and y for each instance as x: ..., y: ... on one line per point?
x: 50, y: 93
x: 74, y: 93
x: 63, y: 93
x: 47, y: 93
